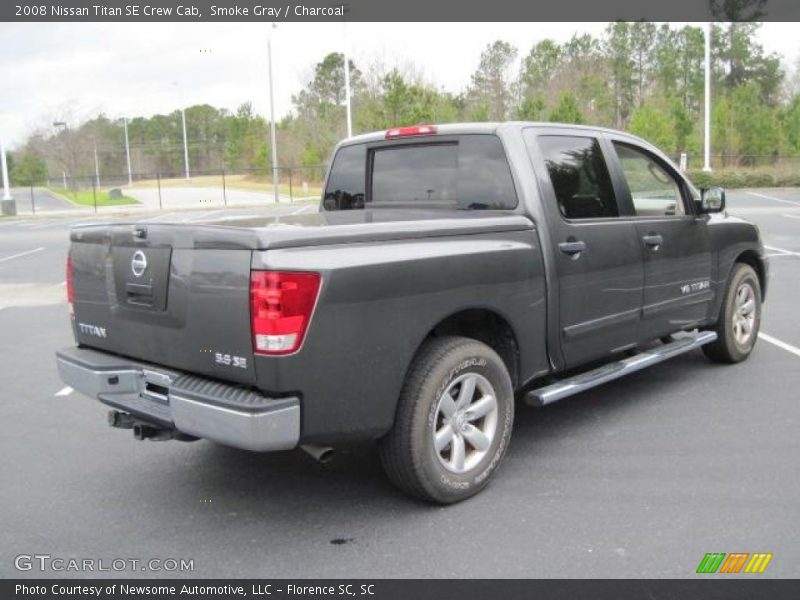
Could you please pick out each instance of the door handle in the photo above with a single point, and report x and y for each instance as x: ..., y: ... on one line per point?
x: 573, y: 249
x: 653, y: 241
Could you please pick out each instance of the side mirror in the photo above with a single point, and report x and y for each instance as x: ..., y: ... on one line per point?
x: 712, y: 200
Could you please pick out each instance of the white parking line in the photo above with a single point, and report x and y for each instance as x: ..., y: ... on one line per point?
x: 235, y: 217
x: 777, y: 252
x: 64, y: 391
x: 85, y: 221
x: 791, y: 216
x: 21, y: 254
x: 302, y: 209
x: 776, y: 342
x: 46, y: 225
x: 202, y: 216
x: 782, y: 251
x: 62, y: 222
x: 774, y: 198
x: 158, y: 216
x: 37, y: 224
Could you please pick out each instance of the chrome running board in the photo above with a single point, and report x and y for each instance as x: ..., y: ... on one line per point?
x: 608, y: 372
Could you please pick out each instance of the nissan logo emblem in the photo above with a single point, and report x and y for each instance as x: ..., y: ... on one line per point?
x: 138, y: 263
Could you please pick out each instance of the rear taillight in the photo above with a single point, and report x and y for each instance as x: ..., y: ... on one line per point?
x: 281, y: 304
x: 415, y: 130
x: 70, y: 289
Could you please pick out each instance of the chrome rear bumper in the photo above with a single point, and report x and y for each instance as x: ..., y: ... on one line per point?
x: 194, y: 405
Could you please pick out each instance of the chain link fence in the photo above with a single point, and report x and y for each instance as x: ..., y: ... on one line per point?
x: 221, y: 187
x: 740, y: 161
x: 224, y: 187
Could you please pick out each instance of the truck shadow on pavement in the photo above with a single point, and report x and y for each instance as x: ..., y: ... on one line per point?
x: 354, y: 478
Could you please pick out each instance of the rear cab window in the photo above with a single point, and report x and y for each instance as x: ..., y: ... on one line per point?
x: 467, y: 172
x: 347, y: 180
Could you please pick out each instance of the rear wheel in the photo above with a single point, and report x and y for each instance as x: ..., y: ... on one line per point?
x: 453, y: 422
x: 740, y: 317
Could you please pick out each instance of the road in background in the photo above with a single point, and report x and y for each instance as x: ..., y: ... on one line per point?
x: 637, y: 478
x: 38, y: 245
x: 38, y: 200
x: 182, y: 197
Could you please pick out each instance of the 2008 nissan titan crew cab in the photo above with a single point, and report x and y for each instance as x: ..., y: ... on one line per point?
x: 449, y: 270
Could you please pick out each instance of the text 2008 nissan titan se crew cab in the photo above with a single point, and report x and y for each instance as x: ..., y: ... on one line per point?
x: 450, y: 270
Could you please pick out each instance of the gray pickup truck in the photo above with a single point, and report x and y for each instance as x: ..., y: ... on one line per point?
x: 449, y: 271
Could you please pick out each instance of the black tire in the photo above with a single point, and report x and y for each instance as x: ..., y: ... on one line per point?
x: 727, y: 348
x: 408, y: 452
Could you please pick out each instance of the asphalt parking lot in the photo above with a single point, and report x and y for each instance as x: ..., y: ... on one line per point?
x: 638, y: 478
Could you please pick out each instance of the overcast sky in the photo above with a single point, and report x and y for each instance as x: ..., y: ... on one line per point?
x: 73, y: 71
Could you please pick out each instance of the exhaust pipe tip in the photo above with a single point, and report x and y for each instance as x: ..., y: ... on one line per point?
x: 120, y: 420
x: 145, y: 432
x: 322, y: 454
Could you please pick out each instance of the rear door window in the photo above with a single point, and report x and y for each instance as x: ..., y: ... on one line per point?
x: 579, y: 175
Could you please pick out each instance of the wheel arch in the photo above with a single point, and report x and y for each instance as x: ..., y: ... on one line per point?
x: 751, y: 258
x: 487, y: 326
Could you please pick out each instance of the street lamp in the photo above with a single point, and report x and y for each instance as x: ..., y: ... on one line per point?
x: 275, y: 188
x: 185, y: 141
x: 127, y: 150
x: 707, y: 99
x: 347, y: 84
x: 185, y: 144
x: 66, y: 128
x: 6, y: 186
x: 96, y: 163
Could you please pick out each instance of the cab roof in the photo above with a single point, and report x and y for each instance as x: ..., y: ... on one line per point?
x: 492, y: 127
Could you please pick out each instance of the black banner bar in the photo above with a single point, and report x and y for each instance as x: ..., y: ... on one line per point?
x: 734, y: 588
x: 397, y: 10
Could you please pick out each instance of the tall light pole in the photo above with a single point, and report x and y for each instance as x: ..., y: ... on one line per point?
x: 96, y: 163
x: 128, y: 151
x: 275, y: 184
x: 66, y: 130
x: 347, y: 84
x: 185, y: 140
x: 6, y: 185
x: 185, y: 145
x: 707, y: 110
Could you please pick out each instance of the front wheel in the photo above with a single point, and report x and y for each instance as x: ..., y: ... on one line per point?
x: 453, y: 421
x: 739, y: 319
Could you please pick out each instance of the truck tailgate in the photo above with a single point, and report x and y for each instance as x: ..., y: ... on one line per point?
x: 155, y: 294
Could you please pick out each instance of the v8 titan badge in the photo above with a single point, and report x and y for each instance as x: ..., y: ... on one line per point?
x: 697, y: 286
